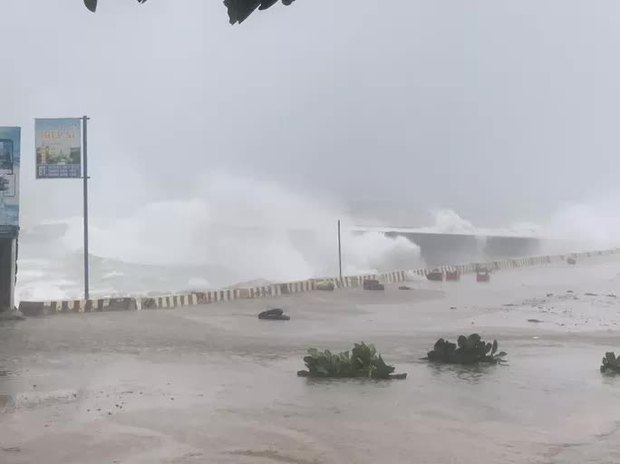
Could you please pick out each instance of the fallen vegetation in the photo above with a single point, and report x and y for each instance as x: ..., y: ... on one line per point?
x: 611, y: 364
x: 361, y: 362
x: 467, y: 350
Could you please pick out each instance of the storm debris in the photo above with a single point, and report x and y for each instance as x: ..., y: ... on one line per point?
x: 275, y: 314
x: 373, y: 284
x: 483, y: 275
x: 435, y: 276
x: 467, y: 350
x: 361, y: 362
x: 611, y: 364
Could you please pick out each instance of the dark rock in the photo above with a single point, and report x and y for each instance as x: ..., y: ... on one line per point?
x: 373, y: 284
x: 435, y: 276
x: 12, y: 449
x: 275, y: 314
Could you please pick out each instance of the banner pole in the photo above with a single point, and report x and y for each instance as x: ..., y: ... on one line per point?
x: 339, y: 252
x: 85, y: 176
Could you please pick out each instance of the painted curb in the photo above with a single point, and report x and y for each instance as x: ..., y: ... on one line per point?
x: 29, y: 308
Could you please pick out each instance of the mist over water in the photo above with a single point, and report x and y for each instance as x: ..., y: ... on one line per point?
x: 232, y: 230
x: 240, y: 230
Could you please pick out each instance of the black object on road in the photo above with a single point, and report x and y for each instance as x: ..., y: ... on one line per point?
x: 275, y: 314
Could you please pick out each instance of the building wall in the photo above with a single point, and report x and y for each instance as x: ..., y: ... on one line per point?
x: 7, y: 273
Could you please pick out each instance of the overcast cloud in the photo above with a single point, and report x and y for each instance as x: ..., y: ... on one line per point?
x: 501, y: 110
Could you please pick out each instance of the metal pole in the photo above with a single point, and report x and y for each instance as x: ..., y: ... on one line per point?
x: 339, y: 252
x: 85, y: 177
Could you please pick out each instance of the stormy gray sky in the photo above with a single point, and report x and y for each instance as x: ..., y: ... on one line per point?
x: 500, y: 110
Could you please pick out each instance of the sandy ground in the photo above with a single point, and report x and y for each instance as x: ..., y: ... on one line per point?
x: 213, y: 384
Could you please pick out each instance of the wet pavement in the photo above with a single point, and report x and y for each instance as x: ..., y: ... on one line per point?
x: 213, y: 384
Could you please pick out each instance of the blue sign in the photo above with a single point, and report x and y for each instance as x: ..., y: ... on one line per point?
x: 59, y: 148
x: 10, y: 147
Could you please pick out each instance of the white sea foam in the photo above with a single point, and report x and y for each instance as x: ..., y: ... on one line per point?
x: 235, y: 229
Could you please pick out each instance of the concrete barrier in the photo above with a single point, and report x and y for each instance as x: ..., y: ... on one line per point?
x: 392, y: 277
x: 290, y: 288
x: 216, y: 296
x: 168, y: 301
x: 266, y: 291
x: 30, y: 308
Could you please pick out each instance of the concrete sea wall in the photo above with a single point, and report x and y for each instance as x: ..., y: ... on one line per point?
x: 41, y: 308
x: 442, y: 249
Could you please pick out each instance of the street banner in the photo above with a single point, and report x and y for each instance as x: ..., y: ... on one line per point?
x: 9, y: 180
x: 59, y: 148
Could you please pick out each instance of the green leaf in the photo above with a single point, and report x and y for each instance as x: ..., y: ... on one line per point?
x: 363, y: 361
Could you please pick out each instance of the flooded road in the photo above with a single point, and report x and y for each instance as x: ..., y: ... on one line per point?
x: 213, y: 384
